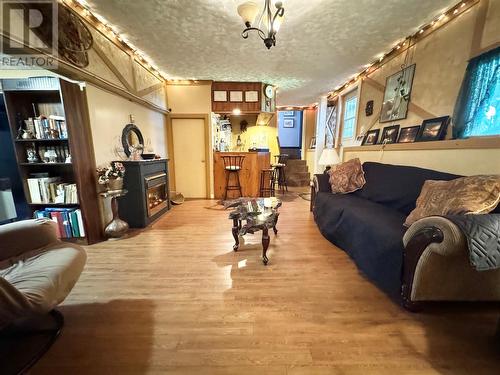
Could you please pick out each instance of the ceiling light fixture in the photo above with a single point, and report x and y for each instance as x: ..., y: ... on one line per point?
x: 268, y: 23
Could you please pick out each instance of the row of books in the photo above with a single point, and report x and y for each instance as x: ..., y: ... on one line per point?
x: 69, y: 221
x: 52, y: 190
x: 53, y: 127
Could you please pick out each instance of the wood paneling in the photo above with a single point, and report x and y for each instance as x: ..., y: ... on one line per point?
x: 82, y: 155
x: 175, y: 299
x: 227, y: 107
x: 253, y: 164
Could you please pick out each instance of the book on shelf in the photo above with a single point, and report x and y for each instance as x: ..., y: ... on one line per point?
x: 69, y: 221
x: 52, y: 190
x: 52, y: 127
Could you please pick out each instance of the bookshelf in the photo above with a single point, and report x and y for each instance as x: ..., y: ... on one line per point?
x: 57, y: 167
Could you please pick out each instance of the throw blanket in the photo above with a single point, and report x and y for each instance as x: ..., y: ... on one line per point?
x: 483, y: 239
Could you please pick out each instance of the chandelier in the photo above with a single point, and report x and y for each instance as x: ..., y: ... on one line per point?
x: 268, y: 23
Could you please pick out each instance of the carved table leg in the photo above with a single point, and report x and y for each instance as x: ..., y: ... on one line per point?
x: 275, y: 230
x: 265, y: 245
x: 235, y: 234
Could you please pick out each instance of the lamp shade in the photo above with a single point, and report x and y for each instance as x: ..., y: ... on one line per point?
x: 248, y: 11
x: 329, y: 157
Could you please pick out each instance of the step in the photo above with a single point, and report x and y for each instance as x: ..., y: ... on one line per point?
x: 296, y: 168
x: 295, y: 175
x: 298, y: 183
x: 296, y: 165
x: 296, y: 162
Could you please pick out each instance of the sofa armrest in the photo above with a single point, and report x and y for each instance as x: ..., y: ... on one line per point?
x: 432, y: 234
x: 23, y: 236
x: 322, y: 183
x: 452, y: 243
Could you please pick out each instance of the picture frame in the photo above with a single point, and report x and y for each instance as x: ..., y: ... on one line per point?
x: 397, y: 95
x: 389, y: 134
x: 220, y: 96
x: 312, y: 144
x: 371, y: 137
x: 288, y: 123
x: 288, y: 113
x: 433, y: 129
x: 236, y: 96
x: 251, y: 96
x: 408, y: 134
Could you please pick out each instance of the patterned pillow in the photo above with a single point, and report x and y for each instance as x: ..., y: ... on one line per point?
x: 347, y: 177
x: 461, y: 196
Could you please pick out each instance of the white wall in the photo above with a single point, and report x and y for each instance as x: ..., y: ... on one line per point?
x: 109, y: 113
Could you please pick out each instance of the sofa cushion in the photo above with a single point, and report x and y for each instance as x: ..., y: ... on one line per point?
x: 397, y: 186
x: 347, y: 177
x: 461, y: 196
x: 369, y: 232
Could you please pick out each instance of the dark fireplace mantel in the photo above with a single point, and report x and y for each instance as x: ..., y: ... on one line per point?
x: 148, y: 195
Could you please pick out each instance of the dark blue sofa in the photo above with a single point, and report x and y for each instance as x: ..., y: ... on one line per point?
x: 368, y: 224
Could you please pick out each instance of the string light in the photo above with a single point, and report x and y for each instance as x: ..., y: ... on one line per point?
x: 445, y: 16
x: 82, y: 7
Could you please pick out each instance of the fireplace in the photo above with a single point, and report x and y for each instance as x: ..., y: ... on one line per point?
x: 156, y: 193
x: 148, y: 195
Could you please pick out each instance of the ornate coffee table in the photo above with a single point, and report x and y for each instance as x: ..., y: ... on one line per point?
x: 258, y: 214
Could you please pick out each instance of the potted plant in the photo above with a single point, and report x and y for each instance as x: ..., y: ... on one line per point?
x: 111, y: 176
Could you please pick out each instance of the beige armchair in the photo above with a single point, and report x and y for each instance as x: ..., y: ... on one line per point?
x: 437, y: 266
x: 37, y: 272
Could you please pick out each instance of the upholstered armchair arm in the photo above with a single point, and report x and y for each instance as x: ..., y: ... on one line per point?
x: 23, y: 236
x: 453, y: 240
x: 434, y: 234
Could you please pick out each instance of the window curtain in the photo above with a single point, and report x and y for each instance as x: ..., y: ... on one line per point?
x: 478, y: 104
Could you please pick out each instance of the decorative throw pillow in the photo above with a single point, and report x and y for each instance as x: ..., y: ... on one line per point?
x: 461, y: 196
x: 347, y: 177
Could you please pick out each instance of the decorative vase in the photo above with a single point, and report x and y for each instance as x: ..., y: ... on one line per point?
x: 115, y: 184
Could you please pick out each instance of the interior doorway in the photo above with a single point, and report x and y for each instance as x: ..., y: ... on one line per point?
x: 189, y: 145
x: 290, y: 133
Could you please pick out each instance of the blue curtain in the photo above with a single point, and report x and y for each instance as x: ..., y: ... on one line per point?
x: 477, y: 111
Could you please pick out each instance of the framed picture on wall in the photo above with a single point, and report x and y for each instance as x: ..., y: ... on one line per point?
x: 312, y: 145
x: 433, y: 129
x: 390, y: 134
x: 220, y: 96
x: 288, y: 123
x: 397, y: 95
x: 409, y: 134
x: 236, y: 96
x: 251, y: 96
x: 371, y: 137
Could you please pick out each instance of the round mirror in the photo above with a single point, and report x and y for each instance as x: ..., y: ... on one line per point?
x: 132, y: 139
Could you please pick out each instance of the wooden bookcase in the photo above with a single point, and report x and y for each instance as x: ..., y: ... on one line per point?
x: 46, y: 94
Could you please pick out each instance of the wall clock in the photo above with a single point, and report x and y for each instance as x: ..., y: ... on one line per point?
x: 269, y: 91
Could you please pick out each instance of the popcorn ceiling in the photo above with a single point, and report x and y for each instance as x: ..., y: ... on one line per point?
x: 320, y: 45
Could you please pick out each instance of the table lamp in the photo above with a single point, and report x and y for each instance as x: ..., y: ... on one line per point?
x: 328, y: 158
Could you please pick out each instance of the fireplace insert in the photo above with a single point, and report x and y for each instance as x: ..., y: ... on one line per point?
x: 148, y: 193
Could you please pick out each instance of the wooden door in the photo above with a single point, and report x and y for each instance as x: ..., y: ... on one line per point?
x: 190, y: 161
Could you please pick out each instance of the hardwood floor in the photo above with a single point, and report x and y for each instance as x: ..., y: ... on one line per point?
x: 176, y: 299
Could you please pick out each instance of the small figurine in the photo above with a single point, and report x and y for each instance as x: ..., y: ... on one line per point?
x: 32, y: 157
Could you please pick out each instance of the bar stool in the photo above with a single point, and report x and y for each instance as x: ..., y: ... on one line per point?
x: 280, y: 166
x: 232, y: 166
x: 267, y: 182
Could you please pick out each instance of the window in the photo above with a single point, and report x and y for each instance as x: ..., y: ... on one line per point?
x: 477, y: 112
x: 350, y: 110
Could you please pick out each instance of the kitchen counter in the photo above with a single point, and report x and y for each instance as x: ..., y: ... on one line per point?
x: 253, y: 164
